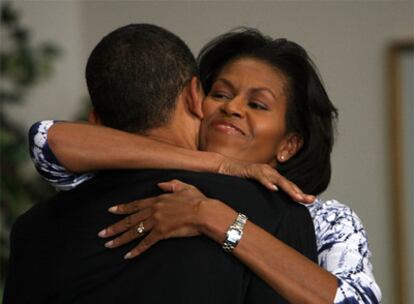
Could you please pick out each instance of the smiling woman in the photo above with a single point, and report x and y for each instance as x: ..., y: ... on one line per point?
x: 247, y: 105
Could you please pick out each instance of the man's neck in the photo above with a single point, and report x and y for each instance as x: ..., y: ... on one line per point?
x: 175, y: 137
x: 183, y: 128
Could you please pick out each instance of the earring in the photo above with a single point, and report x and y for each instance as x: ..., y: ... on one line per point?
x: 282, y: 158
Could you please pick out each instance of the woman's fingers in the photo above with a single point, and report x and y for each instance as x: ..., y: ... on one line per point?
x: 133, y: 206
x: 287, y: 186
x: 125, y: 224
x: 295, y: 192
x: 165, y: 216
x: 267, y: 176
x: 290, y: 188
x: 151, y: 239
x: 308, y: 199
x: 132, y: 234
x: 174, y: 185
x: 267, y: 182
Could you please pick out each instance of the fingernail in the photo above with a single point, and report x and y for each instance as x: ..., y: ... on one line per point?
x: 300, y: 195
x: 113, y: 209
x: 275, y: 188
x: 127, y: 256
x: 109, y: 244
x: 102, y: 233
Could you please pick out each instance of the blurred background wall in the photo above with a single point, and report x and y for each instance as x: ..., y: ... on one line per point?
x: 348, y: 41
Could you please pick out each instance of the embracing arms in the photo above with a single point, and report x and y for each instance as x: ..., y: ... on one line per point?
x: 81, y: 147
x: 343, y: 251
x: 187, y: 212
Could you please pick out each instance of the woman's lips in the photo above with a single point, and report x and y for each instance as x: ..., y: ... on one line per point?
x: 227, y: 127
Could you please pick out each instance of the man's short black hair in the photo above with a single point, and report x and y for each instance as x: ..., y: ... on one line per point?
x: 135, y: 75
x: 310, y: 113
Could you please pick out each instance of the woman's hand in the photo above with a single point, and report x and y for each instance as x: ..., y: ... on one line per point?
x: 166, y: 216
x: 266, y: 175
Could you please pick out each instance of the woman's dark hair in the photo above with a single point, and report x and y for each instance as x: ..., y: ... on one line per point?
x: 310, y: 113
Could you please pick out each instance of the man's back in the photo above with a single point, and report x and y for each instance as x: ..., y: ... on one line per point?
x: 58, y: 258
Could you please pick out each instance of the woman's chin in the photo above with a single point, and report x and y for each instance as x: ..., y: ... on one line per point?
x: 227, y: 150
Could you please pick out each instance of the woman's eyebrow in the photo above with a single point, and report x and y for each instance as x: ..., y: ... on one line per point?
x: 260, y: 89
x: 226, y: 82
x: 253, y: 90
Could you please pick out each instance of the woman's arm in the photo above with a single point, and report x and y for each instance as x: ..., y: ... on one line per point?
x: 343, y: 251
x: 292, y: 275
x: 187, y: 212
x: 346, y: 276
x: 47, y: 164
x: 82, y: 147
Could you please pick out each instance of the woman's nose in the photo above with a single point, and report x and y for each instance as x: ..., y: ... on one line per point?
x: 234, y: 107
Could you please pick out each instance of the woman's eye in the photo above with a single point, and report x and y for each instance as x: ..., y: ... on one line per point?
x: 257, y: 105
x: 220, y: 95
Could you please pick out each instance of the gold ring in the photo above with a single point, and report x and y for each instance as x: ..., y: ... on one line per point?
x: 141, y: 228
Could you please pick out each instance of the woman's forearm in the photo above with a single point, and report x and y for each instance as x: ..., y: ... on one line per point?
x: 288, y: 272
x: 81, y: 147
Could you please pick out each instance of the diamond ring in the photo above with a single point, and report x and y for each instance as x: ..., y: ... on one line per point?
x: 141, y: 228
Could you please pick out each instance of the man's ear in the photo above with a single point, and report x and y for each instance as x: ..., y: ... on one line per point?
x: 195, y: 98
x: 93, y: 117
x: 289, y: 146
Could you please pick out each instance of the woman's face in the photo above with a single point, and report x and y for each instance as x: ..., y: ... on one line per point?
x: 244, y: 113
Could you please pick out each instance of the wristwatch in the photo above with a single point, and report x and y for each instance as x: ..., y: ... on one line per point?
x: 234, y: 233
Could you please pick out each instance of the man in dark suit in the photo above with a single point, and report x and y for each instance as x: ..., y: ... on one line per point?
x: 142, y: 79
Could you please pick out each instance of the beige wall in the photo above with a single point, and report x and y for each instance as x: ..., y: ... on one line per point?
x: 346, y: 39
x: 61, y: 23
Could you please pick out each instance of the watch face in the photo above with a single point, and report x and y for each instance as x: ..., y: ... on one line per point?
x: 233, y: 235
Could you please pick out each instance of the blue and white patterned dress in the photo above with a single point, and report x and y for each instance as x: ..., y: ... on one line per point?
x: 341, y: 238
x: 46, y: 163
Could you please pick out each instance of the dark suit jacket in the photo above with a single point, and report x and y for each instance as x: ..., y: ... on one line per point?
x: 56, y: 256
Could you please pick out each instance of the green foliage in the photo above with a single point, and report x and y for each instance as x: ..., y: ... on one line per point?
x: 22, y: 66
